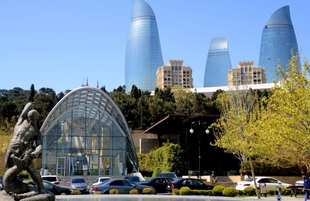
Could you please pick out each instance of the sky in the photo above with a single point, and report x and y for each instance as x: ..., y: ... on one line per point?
x: 61, y: 44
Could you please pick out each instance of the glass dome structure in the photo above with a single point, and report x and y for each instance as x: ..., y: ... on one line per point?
x: 87, y: 134
x: 218, y: 63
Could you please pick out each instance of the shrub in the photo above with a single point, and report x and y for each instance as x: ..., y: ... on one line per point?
x: 133, y: 191
x: 208, y: 192
x: 97, y: 192
x: 272, y: 192
x: 113, y: 191
x: 148, y: 191
x: 24, y: 175
x: 217, y: 190
x: 63, y: 193
x: 249, y: 191
x: 241, y: 192
x: 75, y: 192
x: 197, y: 192
x: 155, y: 171
x: 230, y: 192
x: 285, y: 191
x: 185, y: 190
x: 175, y: 192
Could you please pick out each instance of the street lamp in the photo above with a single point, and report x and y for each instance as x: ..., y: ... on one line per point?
x: 200, y: 125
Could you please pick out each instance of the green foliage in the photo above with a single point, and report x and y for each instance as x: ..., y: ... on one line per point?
x: 75, y: 192
x: 175, y: 192
x: 148, y: 191
x: 230, y: 192
x: 167, y: 158
x: 113, y: 191
x: 24, y: 175
x: 97, y: 193
x: 63, y: 193
x: 185, y: 191
x: 133, y: 191
x: 155, y: 171
x: 272, y: 192
x: 250, y: 191
x: 217, y: 190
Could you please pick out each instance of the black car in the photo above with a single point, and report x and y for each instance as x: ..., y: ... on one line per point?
x: 56, y: 189
x: 158, y: 183
x: 193, y: 184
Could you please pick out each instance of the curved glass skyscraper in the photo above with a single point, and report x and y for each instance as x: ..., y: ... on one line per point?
x: 143, y: 51
x: 218, y: 63
x: 278, y: 39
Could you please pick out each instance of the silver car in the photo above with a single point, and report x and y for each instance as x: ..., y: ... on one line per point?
x: 122, y: 185
x: 79, y: 183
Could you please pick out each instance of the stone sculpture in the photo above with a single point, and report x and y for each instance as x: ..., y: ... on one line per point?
x: 26, y: 144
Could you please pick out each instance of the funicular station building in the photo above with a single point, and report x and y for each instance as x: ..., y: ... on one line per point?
x: 192, y: 133
x: 86, y: 134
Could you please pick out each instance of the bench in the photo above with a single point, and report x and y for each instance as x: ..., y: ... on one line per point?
x: 296, y: 190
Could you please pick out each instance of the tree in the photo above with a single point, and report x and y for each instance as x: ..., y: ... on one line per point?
x: 287, y: 118
x: 31, y: 94
x: 233, y: 131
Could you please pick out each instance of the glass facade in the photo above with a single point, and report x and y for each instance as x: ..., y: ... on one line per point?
x: 86, y: 134
x: 218, y: 63
x: 278, y: 40
x: 143, y: 50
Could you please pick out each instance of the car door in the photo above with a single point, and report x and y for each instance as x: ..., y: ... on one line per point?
x: 160, y: 185
x: 119, y: 185
x: 128, y: 186
x: 273, y: 184
x: 198, y: 185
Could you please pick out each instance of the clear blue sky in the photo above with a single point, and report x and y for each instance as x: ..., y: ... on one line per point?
x: 59, y: 44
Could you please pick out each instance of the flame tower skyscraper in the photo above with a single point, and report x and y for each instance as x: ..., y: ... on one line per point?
x: 278, y: 40
x: 143, y: 50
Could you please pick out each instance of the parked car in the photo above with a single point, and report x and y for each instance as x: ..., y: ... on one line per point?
x: 122, y: 185
x: 51, y: 178
x: 166, y: 174
x: 134, y: 179
x: 270, y: 182
x: 79, y: 183
x: 99, y: 180
x: 192, y: 183
x: 158, y: 183
x: 299, y: 183
x: 56, y: 189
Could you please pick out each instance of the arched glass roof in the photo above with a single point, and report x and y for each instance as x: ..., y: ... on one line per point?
x: 96, y: 100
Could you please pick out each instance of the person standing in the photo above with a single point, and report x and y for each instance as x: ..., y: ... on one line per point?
x: 306, y: 186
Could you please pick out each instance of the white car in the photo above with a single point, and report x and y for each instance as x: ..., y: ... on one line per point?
x: 299, y: 183
x: 270, y: 182
x: 99, y: 180
x: 51, y: 178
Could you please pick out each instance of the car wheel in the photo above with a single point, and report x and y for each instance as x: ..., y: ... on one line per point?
x: 106, y: 192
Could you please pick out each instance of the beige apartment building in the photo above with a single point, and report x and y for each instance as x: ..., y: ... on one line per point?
x: 174, y: 74
x: 246, y: 74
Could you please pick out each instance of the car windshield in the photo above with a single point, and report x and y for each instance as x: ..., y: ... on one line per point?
x: 79, y: 180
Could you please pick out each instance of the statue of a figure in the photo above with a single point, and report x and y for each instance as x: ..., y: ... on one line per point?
x: 26, y: 144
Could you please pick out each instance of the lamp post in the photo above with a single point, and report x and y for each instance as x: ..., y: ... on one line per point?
x: 200, y: 125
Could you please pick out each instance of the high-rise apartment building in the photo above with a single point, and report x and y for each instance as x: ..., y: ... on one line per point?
x: 246, y: 74
x: 143, y: 50
x: 218, y: 63
x: 174, y: 74
x: 278, y: 40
